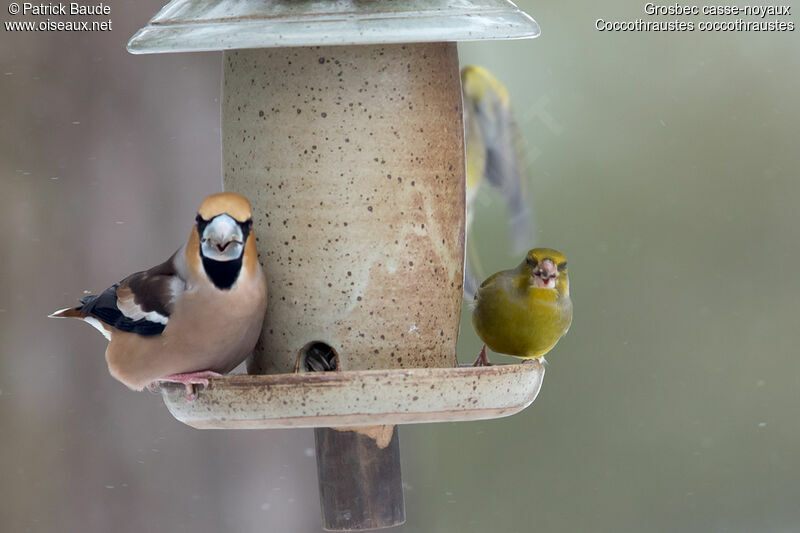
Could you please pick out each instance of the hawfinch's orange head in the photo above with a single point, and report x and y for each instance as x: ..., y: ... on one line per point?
x: 229, y: 203
x: 224, y: 223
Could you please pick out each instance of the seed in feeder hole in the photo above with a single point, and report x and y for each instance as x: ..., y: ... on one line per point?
x: 319, y: 357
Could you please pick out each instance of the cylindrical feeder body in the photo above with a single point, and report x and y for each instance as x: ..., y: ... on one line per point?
x: 353, y: 160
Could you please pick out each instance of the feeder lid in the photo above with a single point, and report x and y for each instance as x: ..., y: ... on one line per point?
x: 201, y: 25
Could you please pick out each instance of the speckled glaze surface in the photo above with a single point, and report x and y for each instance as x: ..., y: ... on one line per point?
x: 352, y: 158
x: 360, y: 398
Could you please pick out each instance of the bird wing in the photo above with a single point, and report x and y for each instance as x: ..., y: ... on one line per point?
x: 141, y: 303
x: 488, y: 281
x: 504, y: 156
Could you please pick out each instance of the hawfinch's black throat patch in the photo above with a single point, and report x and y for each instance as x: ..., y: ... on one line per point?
x: 223, y: 274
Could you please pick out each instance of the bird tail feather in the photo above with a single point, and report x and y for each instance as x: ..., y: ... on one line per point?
x: 69, y: 312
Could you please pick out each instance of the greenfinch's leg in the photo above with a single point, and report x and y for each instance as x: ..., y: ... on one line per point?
x: 482, y: 360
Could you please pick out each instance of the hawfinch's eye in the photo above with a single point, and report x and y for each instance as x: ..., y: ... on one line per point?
x: 562, y: 266
x: 532, y: 262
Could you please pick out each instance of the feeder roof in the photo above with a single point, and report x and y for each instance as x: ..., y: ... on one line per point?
x: 200, y: 25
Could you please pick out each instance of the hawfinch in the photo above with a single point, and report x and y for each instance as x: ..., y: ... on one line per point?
x: 194, y: 316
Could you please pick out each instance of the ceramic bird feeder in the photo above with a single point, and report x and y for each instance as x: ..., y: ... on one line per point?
x: 342, y: 123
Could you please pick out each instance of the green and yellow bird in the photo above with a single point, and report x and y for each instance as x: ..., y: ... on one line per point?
x: 494, y: 156
x: 526, y: 310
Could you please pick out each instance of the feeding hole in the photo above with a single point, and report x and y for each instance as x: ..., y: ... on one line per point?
x: 317, y: 356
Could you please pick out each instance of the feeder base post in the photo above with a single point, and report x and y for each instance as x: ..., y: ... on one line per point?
x: 360, y: 483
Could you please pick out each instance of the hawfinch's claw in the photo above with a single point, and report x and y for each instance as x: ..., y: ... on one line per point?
x: 189, y: 380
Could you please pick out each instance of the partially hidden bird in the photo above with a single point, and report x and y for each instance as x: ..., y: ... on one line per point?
x: 494, y: 156
x: 524, y: 311
x: 195, y: 316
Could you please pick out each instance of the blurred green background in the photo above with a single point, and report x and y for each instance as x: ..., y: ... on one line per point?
x: 663, y: 165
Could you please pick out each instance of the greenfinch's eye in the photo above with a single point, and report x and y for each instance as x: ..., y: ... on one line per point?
x: 562, y: 266
x: 532, y: 262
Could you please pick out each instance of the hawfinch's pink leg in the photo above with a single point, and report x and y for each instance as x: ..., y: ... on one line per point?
x: 189, y: 380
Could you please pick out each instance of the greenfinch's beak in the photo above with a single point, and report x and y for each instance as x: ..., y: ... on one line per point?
x: 545, y: 274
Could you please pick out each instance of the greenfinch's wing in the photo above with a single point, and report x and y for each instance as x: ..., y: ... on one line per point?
x: 488, y: 281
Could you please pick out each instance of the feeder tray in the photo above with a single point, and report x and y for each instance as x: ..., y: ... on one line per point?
x: 358, y: 397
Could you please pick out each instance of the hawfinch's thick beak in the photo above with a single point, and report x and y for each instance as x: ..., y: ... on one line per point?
x: 222, y: 239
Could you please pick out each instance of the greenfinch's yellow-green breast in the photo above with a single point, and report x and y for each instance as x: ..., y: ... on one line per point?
x: 526, y: 310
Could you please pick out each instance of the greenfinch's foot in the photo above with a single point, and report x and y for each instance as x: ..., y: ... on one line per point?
x: 482, y: 360
x: 534, y: 360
